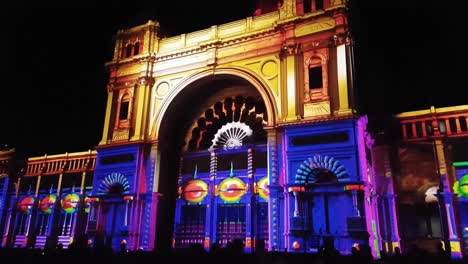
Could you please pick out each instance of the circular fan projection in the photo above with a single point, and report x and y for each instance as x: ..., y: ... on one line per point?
x: 47, y: 203
x: 231, y: 190
x: 320, y: 169
x: 26, y: 204
x: 114, y: 183
x: 262, y: 185
x: 249, y: 111
x: 194, y: 191
x: 231, y: 135
x: 70, y: 203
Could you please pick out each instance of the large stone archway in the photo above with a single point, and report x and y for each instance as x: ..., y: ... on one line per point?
x: 157, y: 94
x: 182, y: 108
x: 200, y: 80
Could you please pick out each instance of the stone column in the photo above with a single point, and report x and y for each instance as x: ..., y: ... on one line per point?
x: 445, y: 200
x: 105, y: 132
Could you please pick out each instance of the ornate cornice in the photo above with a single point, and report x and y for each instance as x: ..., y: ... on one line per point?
x: 315, y: 120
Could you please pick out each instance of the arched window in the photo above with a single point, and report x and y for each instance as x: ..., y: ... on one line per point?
x: 128, y: 50
x: 124, y: 106
x: 136, y: 48
x: 316, y: 77
x: 124, y: 111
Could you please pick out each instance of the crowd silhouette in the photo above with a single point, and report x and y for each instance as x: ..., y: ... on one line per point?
x: 83, y: 250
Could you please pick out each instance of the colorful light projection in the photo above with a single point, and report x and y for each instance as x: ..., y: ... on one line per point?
x: 194, y: 191
x: 461, y: 187
x: 26, y: 204
x: 296, y: 245
x: 87, y: 204
x: 312, y: 169
x: 231, y: 190
x: 114, y: 183
x: 47, y: 203
x: 70, y: 202
x: 262, y: 186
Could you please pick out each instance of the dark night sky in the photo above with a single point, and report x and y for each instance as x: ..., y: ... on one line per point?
x: 53, y: 90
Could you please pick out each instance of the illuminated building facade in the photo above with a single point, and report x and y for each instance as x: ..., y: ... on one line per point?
x: 429, y: 177
x: 49, y: 200
x: 246, y: 130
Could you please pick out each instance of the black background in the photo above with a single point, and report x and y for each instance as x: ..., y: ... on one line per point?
x: 409, y: 55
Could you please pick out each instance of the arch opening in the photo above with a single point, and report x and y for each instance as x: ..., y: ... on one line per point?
x: 189, y: 111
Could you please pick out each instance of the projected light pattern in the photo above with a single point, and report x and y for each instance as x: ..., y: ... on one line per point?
x: 460, y: 188
x: 70, y: 203
x: 87, y: 203
x: 26, y: 204
x: 194, y: 191
x: 114, y: 183
x: 231, y: 135
x: 262, y: 186
x: 231, y: 190
x: 310, y: 169
x: 47, y: 203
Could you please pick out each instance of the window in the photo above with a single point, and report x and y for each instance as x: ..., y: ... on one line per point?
x: 124, y: 107
x: 136, y: 48
x: 429, y: 129
x: 463, y: 125
x: 128, y: 50
x: 313, y: 5
x: 409, y: 130
x: 419, y: 129
x: 452, y: 125
x: 442, y: 127
x: 315, y: 77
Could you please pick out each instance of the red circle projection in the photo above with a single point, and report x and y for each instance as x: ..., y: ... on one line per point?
x: 26, y: 204
x: 194, y: 191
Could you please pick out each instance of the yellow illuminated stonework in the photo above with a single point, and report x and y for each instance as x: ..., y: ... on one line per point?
x: 265, y: 50
x: 266, y: 57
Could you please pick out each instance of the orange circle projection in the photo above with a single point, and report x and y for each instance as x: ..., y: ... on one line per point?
x: 231, y: 190
x: 263, y: 188
x: 195, y: 191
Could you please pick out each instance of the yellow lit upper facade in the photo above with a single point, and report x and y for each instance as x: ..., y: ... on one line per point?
x: 299, y: 62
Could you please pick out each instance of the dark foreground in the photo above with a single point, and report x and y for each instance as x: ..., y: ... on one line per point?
x: 89, y: 255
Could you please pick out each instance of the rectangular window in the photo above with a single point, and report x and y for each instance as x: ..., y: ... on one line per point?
x: 419, y: 129
x: 463, y: 125
x: 315, y: 77
x: 123, y: 115
x: 409, y: 130
x: 336, y: 137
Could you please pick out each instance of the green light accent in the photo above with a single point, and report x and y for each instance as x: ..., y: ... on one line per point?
x: 460, y: 163
x: 374, y: 228
x: 376, y: 239
x: 460, y: 188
